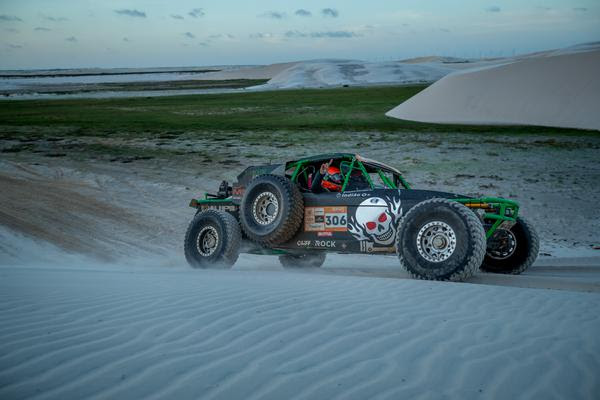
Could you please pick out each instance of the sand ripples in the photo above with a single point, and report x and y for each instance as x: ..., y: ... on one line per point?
x: 159, y: 334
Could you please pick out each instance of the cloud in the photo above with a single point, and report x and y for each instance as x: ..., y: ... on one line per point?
x: 196, y: 12
x: 303, y: 13
x: 42, y: 29
x: 260, y: 35
x: 295, y: 34
x: 55, y: 19
x: 273, y: 14
x: 222, y: 36
x: 15, y: 46
x: 318, y: 35
x: 10, y: 18
x: 203, y: 44
x: 176, y: 16
x: 445, y: 30
x: 334, y: 34
x: 131, y: 13
x: 493, y: 9
x: 11, y: 30
x: 72, y: 39
x: 580, y: 9
x: 126, y: 39
x: 189, y: 35
x: 330, y: 12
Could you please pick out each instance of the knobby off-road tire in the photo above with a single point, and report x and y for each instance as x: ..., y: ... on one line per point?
x: 440, y: 239
x: 212, y: 240
x: 308, y: 260
x: 502, y: 258
x: 272, y: 210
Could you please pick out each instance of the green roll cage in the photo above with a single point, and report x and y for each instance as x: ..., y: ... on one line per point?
x: 351, y: 163
x: 496, y: 209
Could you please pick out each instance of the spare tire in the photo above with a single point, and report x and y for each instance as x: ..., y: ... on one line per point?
x: 441, y: 239
x: 271, y: 210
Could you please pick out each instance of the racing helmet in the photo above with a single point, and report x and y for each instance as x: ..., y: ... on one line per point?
x: 332, y: 180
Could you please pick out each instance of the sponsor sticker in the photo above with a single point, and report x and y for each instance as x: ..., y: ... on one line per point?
x: 324, y: 234
x: 352, y: 194
x: 326, y: 219
x: 330, y: 244
x: 216, y: 207
x: 368, y: 247
x: 324, y: 243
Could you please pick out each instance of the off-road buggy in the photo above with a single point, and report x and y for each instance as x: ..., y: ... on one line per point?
x: 436, y: 235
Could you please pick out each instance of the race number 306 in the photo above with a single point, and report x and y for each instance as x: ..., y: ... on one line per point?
x: 335, y: 218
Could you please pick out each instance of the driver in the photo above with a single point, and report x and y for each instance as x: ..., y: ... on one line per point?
x: 329, y: 179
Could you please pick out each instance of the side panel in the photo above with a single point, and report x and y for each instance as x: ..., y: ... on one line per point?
x: 356, y: 222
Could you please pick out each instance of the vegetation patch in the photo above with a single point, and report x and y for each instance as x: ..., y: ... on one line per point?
x: 295, y: 114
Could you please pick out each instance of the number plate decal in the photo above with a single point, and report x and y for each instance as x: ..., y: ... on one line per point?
x: 326, y: 219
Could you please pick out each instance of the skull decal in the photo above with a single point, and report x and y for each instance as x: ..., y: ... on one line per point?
x: 376, y: 220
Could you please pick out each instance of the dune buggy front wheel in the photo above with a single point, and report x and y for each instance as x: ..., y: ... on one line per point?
x: 212, y: 240
x: 440, y: 239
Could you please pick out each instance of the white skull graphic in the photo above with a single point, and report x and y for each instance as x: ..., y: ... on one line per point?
x: 374, y: 217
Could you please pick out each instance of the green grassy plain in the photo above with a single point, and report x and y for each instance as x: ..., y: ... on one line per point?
x: 294, y: 112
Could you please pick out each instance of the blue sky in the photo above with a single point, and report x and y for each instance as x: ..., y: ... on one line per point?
x: 137, y: 33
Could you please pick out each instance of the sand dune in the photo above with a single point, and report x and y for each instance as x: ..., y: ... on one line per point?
x: 324, y: 73
x: 558, y: 88
x: 251, y: 72
x: 124, y: 332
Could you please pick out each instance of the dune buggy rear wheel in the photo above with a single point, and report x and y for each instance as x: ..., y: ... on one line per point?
x: 440, y: 239
x: 512, y: 251
x: 271, y: 210
x: 212, y: 240
x: 312, y: 260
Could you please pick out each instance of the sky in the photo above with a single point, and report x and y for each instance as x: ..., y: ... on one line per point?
x: 37, y: 34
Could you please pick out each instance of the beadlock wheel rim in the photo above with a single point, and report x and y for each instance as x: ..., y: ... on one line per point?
x: 265, y: 208
x: 507, y: 246
x: 207, y: 241
x: 436, y: 241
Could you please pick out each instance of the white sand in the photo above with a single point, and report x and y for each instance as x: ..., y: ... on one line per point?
x: 128, y: 332
x: 324, y: 73
x: 253, y: 72
x: 560, y: 89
